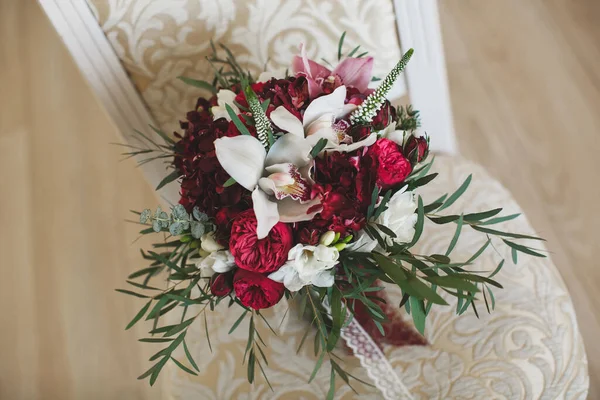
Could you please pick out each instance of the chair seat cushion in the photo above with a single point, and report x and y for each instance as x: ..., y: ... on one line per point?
x: 529, y: 347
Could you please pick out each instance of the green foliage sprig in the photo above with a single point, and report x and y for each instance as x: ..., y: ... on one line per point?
x: 178, y: 221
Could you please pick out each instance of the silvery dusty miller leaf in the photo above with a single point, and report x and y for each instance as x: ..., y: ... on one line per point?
x: 197, y: 229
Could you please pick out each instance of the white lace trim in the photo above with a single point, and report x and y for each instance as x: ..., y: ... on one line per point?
x: 374, y: 362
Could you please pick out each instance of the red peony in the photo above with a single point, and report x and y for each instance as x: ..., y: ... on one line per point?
x: 416, y: 148
x: 252, y: 254
x: 221, y: 284
x: 393, y: 167
x: 256, y: 290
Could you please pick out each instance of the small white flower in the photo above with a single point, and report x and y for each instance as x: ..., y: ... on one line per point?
x: 400, y: 217
x: 307, y: 265
x: 224, y: 97
x: 216, y: 262
x: 209, y: 244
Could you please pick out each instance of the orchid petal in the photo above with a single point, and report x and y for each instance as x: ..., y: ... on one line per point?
x: 266, y: 213
x: 287, y: 121
x: 294, y: 211
x: 368, y: 141
x: 324, y: 121
x: 396, y: 136
x: 355, y: 72
x: 242, y: 157
x: 289, y: 149
x: 225, y: 96
x: 332, y: 103
x: 301, y: 64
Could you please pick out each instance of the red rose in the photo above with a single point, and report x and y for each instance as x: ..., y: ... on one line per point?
x: 252, y: 254
x: 255, y: 290
x: 393, y: 167
x: 416, y: 148
x: 221, y: 284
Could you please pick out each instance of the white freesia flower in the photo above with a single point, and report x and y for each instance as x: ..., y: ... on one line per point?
x: 321, y: 120
x: 279, y: 180
x: 216, y: 262
x: 398, y: 136
x: 209, y: 244
x: 308, y: 265
x: 224, y: 97
x: 400, y: 217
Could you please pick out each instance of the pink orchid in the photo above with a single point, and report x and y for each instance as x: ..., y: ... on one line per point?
x: 353, y: 72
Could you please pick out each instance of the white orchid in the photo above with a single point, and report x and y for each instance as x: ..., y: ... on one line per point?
x: 307, y: 265
x: 224, y: 98
x: 322, y: 120
x: 279, y: 180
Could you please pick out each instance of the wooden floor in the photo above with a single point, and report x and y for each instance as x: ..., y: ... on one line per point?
x: 525, y: 84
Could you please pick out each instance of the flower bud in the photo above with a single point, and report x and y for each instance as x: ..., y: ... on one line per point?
x: 327, y: 238
x: 340, y: 246
x: 209, y: 244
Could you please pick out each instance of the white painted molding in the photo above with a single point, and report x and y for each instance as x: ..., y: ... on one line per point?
x: 419, y: 28
x: 91, y: 50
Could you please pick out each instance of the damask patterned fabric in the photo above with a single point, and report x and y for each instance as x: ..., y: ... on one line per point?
x: 159, y: 40
x: 529, y: 347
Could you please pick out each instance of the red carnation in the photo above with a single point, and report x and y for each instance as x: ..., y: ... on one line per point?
x: 393, y: 167
x: 256, y: 290
x: 252, y: 254
x: 416, y: 148
x: 221, y: 284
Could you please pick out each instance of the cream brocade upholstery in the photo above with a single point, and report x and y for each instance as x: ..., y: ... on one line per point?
x: 528, y: 348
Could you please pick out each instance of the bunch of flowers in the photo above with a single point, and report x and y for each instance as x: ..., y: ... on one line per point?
x: 302, y: 185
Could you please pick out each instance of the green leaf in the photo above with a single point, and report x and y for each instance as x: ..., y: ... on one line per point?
x: 129, y: 292
x: 498, y: 268
x: 353, y: 51
x: 139, y: 315
x: 179, y: 327
x: 454, y: 240
x: 317, y: 367
x: 479, y: 278
x: 482, y: 215
x: 492, y: 298
x: 523, y: 249
x: 479, y: 252
x: 157, y: 307
x: 168, y: 179
x: 183, y: 367
x: 340, y: 44
x: 145, y: 271
x: 197, y: 229
x: 432, y: 207
x: 318, y: 147
x: 145, y: 215
x: 229, y: 182
x: 265, y: 104
x: 417, y: 311
x: 459, y: 192
x: 159, y: 367
x: 163, y: 135
x: 156, y: 340
x: 419, y: 224
x: 446, y: 219
x: 236, y: 120
x: 415, y: 287
x: 337, y: 318
x: 422, y: 181
x: 251, y: 365
x: 514, y: 256
x: 499, y: 219
x: 452, y: 281
x: 198, y: 83
x: 331, y: 392
x: 386, y: 230
x: 506, y: 234
x: 239, y: 320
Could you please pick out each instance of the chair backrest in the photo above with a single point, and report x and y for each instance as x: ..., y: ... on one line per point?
x: 132, y: 51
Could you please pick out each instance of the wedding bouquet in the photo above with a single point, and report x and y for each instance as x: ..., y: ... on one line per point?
x: 299, y: 186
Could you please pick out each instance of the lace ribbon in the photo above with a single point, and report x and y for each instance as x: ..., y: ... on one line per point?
x: 374, y: 362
